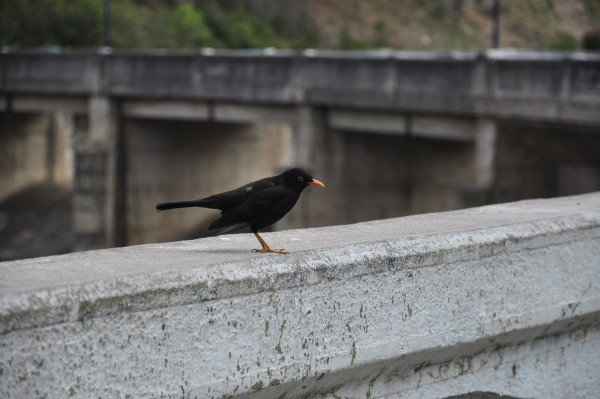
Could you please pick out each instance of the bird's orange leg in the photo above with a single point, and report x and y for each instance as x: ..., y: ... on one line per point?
x: 266, y: 248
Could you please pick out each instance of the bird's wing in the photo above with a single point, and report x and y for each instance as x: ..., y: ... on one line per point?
x: 224, y: 200
x: 259, y: 201
x: 232, y: 198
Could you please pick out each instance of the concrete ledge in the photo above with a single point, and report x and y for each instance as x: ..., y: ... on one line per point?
x: 485, y: 299
x: 166, y: 110
x: 378, y: 122
x: 37, y: 104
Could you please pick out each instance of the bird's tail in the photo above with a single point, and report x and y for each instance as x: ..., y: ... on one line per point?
x: 179, y: 204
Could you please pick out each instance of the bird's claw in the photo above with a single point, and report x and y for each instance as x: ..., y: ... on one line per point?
x: 269, y: 250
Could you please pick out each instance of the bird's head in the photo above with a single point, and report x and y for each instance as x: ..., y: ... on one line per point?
x: 300, y: 179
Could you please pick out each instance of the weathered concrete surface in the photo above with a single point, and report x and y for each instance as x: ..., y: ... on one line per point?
x: 36, y: 222
x: 504, y: 299
x: 497, y: 84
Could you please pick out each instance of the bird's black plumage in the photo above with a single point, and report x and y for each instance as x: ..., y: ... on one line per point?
x: 258, y: 204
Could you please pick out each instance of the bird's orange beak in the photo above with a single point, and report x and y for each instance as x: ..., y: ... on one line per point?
x: 315, y: 182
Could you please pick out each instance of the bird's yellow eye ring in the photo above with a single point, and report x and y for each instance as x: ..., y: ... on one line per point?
x: 300, y: 179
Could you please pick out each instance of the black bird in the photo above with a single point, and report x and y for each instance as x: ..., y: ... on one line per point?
x: 258, y: 204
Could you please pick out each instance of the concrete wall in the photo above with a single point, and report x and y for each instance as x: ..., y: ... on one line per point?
x: 35, y: 149
x: 503, y: 299
x: 544, y: 161
x: 404, y: 175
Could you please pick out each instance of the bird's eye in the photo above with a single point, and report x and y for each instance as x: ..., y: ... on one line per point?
x: 300, y: 179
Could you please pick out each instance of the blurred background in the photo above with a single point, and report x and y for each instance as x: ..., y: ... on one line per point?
x: 331, y: 24
x: 400, y: 106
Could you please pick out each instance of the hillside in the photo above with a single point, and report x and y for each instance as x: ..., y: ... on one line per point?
x: 462, y: 25
x: 332, y: 24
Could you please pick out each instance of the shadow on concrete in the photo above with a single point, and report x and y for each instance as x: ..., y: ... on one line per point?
x: 481, y: 395
x: 36, y: 221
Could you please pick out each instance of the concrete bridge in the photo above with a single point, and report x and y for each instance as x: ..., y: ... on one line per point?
x: 501, y: 301
x: 392, y: 133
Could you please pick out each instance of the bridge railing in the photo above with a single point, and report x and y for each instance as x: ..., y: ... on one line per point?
x: 452, y: 83
x: 492, y: 299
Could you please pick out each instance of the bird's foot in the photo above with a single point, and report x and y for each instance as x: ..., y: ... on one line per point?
x: 269, y: 250
x: 265, y: 247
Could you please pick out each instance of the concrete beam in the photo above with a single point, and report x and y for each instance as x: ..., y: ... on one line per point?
x: 545, y: 110
x: 494, y: 298
x: 178, y: 110
x: 43, y: 104
x: 201, y: 111
x: 246, y: 113
x: 402, y: 124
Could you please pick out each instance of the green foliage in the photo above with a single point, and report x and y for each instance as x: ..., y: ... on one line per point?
x: 78, y: 23
x: 35, y: 23
x: 298, y: 27
x: 563, y: 41
x: 239, y: 29
x: 592, y: 9
x: 191, y: 24
x: 183, y: 27
x: 380, y: 35
x: 129, y: 25
x: 349, y: 42
x: 188, y: 26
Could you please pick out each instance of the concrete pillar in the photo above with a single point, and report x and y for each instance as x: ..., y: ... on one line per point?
x: 482, y: 167
x: 481, y: 78
x: 309, y: 124
x: 102, y: 120
x: 485, y: 152
x: 95, y: 178
x: 59, y: 156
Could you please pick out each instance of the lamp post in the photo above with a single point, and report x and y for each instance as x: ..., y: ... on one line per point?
x: 496, y: 24
x: 106, y: 33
